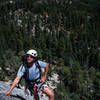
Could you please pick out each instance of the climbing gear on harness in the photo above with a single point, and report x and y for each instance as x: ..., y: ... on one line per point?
x: 39, y: 86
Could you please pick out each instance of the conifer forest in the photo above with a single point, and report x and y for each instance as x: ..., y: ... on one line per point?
x: 65, y: 33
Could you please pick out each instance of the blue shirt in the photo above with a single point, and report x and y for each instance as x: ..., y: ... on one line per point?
x: 34, y: 72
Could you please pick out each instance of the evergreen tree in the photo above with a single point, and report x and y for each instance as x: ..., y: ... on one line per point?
x: 61, y: 45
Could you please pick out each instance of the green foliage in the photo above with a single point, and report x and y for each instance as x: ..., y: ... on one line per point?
x: 97, y: 85
x: 76, y: 77
x: 2, y: 75
x: 60, y: 92
x: 9, y: 63
x: 65, y: 75
x: 80, y: 84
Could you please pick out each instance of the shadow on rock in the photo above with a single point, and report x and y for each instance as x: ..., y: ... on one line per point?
x: 18, y: 97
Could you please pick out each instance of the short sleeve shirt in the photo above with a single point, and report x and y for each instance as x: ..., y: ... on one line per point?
x: 34, y: 72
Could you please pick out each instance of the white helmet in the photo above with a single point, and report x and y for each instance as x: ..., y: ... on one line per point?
x: 32, y: 52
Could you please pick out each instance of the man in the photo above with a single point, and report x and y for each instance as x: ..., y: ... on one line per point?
x: 34, y: 73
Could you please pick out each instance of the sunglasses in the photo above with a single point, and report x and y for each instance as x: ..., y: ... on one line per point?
x: 29, y: 56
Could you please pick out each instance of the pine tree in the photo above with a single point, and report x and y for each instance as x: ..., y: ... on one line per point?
x: 61, y: 45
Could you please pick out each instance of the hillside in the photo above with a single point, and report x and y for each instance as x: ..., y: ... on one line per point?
x: 65, y: 33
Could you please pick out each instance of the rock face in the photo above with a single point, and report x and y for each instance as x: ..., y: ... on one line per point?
x: 19, y: 94
x: 12, y: 97
x: 16, y: 94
